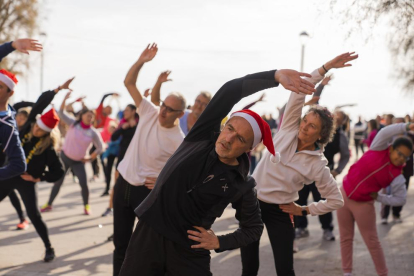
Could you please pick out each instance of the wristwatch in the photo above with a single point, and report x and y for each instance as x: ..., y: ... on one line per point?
x: 304, y: 212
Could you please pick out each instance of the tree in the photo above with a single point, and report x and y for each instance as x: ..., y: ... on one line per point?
x: 18, y: 19
x: 398, y: 16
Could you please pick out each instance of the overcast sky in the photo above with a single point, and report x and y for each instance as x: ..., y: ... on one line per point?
x: 205, y: 44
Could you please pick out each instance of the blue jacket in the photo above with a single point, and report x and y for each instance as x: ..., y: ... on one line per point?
x: 5, y: 49
x: 11, y: 145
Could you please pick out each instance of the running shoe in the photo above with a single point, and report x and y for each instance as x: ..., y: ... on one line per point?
x: 23, y: 225
x: 396, y: 219
x: 109, y: 211
x: 328, y: 235
x: 87, y: 210
x: 301, y: 233
x: 50, y: 255
x: 46, y: 208
x: 106, y: 193
x: 384, y: 221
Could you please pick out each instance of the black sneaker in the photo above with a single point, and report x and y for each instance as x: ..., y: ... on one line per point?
x: 50, y: 255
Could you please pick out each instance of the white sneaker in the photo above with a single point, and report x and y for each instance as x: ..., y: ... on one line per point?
x: 384, y: 221
x: 295, y: 247
x: 397, y: 220
x: 347, y: 274
x: 328, y: 235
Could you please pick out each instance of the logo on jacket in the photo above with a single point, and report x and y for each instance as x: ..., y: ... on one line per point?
x: 208, y: 178
x: 225, y: 187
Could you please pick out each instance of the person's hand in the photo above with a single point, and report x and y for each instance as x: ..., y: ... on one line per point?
x: 291, y: 80
x: 149, y: 53
x: 341, y: 61
x: 334, y: 173
x: 206, y: 238
x: 66, y: 84
x: 163, y: 77
x: 374, y: 195
x: 327, y: 79
x: 85, y: 160
x: 125, y: 125
x: 150, y: 182
x: 291, y: 208
x: 28, y: 177
x: 67, y: 96
x: 25, y: 45
x: 147, y: 92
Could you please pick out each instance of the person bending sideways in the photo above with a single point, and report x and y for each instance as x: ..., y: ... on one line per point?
x: 207, y: 172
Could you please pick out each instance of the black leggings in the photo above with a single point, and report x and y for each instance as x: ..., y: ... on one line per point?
x: 27, y: 191
x: 15, y: 201
x: 281, y: 234
x: 108, y: 170
x: 325, y: 219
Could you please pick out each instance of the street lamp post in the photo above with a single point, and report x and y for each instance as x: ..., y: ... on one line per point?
x: 303, y: 39
x: 43, y: 38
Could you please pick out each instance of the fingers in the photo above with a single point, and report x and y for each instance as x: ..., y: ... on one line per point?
x: 195, y: 233
x: 201, y: 229
x: 305, y: 75
x: 308, y: 83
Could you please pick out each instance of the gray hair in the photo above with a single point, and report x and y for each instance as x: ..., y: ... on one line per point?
x: 181, y: 98
x: 206, y: 95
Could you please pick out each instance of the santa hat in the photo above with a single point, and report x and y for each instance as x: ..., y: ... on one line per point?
x: 48, y: 121
x: 8, y: 79
x: 261, y: 129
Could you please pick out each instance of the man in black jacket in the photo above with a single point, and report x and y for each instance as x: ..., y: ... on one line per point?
x: 206, y: 173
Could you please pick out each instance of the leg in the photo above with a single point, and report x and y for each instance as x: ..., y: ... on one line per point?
x: 346, y: 224
x: 15, y: 201
x: 80, y: 172
x: 281, y: 234
x: 326, y: 219
x: 250, y: 258
x: 145, y: 254
x: 365, y: 218
x: 5, y: 190
x: 300, y: 221
x: 108, y: 171
x: 124, y: 218
x: 56, y: 187
x: 356, y: 142
x: 28, y: 193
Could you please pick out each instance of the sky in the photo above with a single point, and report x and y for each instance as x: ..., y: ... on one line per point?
x: 205, y: 44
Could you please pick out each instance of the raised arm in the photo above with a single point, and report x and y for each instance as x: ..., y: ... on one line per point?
x: 294, y: 106
x: 23, y: 45
x: 156, y: 90
x: 62, y: 113
x: 255, y: 102
x: 384, y: 137
x: 317, y: 95
x: 130, y: 81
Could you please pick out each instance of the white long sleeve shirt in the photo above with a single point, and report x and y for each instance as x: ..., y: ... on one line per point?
x: 279, y: 179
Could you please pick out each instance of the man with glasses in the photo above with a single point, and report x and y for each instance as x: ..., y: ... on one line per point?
x: 192, y: 114
x: 156, y: 138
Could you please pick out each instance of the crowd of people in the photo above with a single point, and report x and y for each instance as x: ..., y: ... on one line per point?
x: 178, y: 166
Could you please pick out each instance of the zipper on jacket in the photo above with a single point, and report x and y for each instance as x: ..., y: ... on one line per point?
x: 386, y: 164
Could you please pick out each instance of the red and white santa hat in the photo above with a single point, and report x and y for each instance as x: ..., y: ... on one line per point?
x: 48, y: 121
x: 261, y: 129
x: 9, y: 79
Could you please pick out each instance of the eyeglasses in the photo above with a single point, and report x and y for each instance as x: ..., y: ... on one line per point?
x: 402, y: 155
x: 169, y: 109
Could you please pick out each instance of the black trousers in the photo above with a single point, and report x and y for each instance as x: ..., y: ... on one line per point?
x: 396, y: 210
x: 358, y: 146
x: 281, y: 233
x: 151, y: 254
x: 15, y: 201
x: 27, y: 191
x: 126, y: 199
x: 301, y: 221
x: 108, y: 170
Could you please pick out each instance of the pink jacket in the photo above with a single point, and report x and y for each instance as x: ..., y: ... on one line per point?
x: 374, y: 170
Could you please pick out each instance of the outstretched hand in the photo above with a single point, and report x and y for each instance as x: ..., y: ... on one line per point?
x: 292, y: 80
x: 149, y: 53
x: 327, y: 79
x: 24, y: 45
x: 66, y: 84
x: 206, y: 238
x: 341, y: 61
x: 67, y: 96
x: 163, y: 77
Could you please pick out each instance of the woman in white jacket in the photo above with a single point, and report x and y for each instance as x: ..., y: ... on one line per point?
x: 299, y: 160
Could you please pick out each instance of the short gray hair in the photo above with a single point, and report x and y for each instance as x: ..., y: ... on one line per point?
x: 181, y: 98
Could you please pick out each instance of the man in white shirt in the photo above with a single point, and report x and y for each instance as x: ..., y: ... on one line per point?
x: 157, y: 137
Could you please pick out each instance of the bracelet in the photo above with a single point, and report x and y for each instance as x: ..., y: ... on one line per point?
x: 323, y: 66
